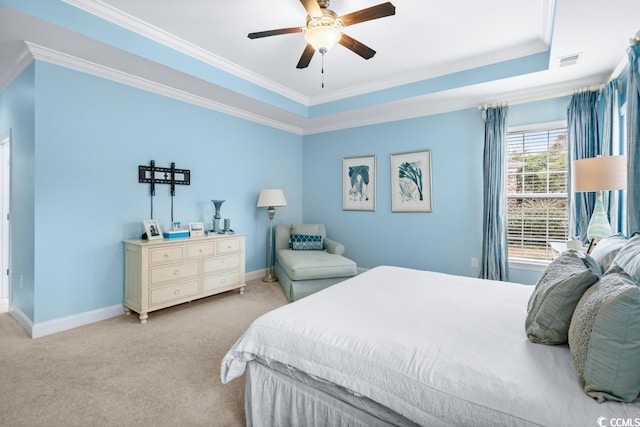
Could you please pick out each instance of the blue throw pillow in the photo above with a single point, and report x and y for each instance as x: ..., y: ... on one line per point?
x: 304, y: 242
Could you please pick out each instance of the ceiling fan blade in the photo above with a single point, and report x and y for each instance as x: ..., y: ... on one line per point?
x: 305, y: 59
x: 312, y: 7
x: 373, y: 12
x: 354, y: 45
x: 274, y: 32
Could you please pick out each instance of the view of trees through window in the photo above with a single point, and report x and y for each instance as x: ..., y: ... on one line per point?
x: 537, y: 203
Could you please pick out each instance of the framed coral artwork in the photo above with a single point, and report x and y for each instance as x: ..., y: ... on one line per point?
x: 411, y: 182
x: 359, y: 183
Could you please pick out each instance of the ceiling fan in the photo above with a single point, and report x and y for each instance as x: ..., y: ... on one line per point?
x: 322, y: 29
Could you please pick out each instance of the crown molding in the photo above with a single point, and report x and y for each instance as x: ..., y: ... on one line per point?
x: 68, y: 61
x: 22, y: 61
x: 122, y: 19
x: 443, y: 102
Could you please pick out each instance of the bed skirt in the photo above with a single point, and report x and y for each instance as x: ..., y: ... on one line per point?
x: 276, y: 395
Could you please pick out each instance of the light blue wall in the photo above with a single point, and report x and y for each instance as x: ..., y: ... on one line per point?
x: 78, y: 140
x: 90, y: 136
x: 444, y: 240
x: 17, y: 113
x: 548, y: 110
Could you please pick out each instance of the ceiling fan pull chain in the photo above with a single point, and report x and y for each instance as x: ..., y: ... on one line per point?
x: 322, y: 70
x: 322, y: 52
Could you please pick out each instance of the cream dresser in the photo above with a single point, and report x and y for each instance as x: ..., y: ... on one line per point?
x: 163, y: 273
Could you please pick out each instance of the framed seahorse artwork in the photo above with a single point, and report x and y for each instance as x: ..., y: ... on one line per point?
x: 359, y: 183
x: 411, y: 182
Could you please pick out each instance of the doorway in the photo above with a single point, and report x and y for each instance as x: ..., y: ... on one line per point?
x: 5, y: 146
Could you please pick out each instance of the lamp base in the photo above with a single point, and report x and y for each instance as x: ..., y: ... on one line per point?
x: 270, y: 277
x: 599, y: 226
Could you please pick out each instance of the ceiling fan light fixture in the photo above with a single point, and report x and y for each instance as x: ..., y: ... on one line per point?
x: 322, y: 37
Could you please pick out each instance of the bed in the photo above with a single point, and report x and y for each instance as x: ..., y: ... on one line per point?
x: 397, y: 346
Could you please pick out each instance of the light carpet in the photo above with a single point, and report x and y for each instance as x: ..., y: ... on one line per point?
x: 119, y: 372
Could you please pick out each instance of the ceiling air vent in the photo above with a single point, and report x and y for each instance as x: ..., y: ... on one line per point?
x: 565, y: 61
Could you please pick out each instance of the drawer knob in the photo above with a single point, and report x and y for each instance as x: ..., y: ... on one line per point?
x: 176, y: 291
x: 176, y: 272
x: 200, y: 250
x: 166, y: 255
x: 223, y: 281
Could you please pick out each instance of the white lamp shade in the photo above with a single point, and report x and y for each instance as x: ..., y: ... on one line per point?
x: 271, y: 197
x: 600, y: 173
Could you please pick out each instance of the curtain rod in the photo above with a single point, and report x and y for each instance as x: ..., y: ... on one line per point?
x: 543, y: 97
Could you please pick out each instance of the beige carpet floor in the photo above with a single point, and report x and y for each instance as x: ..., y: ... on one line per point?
x: 120, y: 373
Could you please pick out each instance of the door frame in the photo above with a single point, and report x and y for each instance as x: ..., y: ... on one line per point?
x: 5, y: 198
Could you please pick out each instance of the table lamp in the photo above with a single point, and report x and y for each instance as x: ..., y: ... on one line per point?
x: 599, y: 174
x: 270, y: 199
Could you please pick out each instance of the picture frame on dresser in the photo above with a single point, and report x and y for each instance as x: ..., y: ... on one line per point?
x: 152, y: 229
x: 411, y: 182
x: 196, y: 229
x: 359, y: 183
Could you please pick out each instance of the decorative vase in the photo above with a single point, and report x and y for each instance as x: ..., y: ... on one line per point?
x: 216, y: 218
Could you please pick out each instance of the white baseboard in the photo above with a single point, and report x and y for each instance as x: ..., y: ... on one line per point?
x: 21, y: 318
x: 4, y: 305
x: 253, y: 275
x: 41, y: 329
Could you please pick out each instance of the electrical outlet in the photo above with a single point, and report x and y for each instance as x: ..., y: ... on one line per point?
x: 474, y: 262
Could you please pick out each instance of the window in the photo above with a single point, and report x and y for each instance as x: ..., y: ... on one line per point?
x: 537, y: 202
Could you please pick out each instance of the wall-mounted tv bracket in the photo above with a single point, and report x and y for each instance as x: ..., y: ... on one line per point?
x: 153, y: 175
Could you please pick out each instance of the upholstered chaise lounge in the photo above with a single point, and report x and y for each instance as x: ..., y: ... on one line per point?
x: 306, y: 261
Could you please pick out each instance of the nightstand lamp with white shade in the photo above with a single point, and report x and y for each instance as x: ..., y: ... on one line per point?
x: 599, y: 174
x: 270, y: 199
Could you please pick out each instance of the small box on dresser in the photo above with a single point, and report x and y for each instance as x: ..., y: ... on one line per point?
x: 164, y: 273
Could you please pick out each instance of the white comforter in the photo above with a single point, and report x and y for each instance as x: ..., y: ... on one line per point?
x: 431, y: 347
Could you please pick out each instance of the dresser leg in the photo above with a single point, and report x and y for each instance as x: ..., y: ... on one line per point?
x: 143, y: 317
x: 127, y: 311
x: 242, y: 290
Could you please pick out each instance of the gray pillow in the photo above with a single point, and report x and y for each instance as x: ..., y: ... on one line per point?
x: 556, y: 294
x: 604, y: 338
x: 607, y: 249
x: 628, y: 258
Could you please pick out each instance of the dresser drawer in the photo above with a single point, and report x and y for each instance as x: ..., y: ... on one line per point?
x: 227, y: 246
x: 199, y: 250
x: 220, y: 263
x: 168, y: 254
x: 173, y: 272
x: 160, y: 295
x: 220, y: 281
